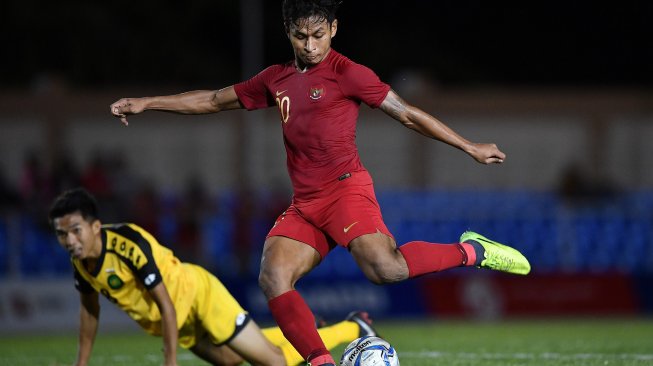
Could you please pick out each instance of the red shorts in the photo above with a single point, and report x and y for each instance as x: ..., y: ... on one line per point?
x: 346, y: 210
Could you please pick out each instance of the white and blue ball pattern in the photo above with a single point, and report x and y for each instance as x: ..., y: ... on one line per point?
x: 369, y: 351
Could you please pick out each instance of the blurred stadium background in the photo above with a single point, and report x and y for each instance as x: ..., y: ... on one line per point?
x: 565, y: 89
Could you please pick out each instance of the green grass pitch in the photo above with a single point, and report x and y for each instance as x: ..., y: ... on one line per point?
x: 559, y: 342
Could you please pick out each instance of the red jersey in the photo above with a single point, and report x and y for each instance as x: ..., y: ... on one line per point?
x: 318, y: 110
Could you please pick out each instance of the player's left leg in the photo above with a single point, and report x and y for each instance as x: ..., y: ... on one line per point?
x: 354, y: 220
x: 219, y: 330
x: 256, y: 349
x: 497, y: 256
x: 378, y: 257
x: 248, y: 345
x: 382, y: 262
x: 214, y: 354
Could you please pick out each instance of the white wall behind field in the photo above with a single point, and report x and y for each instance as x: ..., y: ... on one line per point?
x: 51, y: 306
x: 610, y: 143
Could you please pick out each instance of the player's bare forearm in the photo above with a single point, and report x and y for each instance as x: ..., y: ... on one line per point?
x: 168, y: 323
x: 89, y: 315
x: 420, y: 121
x: 192, y: 102
x: 170, y: 335
x: 429, y: 126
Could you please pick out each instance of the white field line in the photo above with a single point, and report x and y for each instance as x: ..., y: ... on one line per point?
x: 183, y: 356
x: 113, y: 359
x: 529, y: 356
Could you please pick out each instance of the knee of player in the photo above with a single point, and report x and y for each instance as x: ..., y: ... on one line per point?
x: 276, y: 357
x: 264, y: 280
x: 381, y: 275
x: 383, y: 269
x: 270, y: 278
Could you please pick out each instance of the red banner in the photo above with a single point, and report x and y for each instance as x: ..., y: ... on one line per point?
x: 494, y: 295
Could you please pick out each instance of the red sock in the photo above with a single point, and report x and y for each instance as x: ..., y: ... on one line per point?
x: 298, y: 325
x: 423, y: 257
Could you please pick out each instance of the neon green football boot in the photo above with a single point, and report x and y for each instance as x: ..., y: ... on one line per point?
x: 498, y: 256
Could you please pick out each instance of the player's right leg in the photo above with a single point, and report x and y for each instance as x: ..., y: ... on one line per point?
x: 283, y: 263
x: 356, y: 324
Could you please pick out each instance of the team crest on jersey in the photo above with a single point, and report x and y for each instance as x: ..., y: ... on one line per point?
x: 114, y: 282
x: 316, y: 92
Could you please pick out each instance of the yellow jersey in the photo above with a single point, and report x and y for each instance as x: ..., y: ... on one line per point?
x: 131, y: 263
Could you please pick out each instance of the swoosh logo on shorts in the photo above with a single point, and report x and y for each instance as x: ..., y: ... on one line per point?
x: 349, y: 227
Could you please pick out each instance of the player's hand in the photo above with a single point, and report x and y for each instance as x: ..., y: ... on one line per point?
x: 487, y: 153
x: 127, y: 106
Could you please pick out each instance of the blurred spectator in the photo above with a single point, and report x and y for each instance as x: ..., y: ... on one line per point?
x: 243, y: 214
x: 64, y: 174
x: 144, y: 208
x: 35, y: 187
x: 120, y: 176
x: 277, y: 201
x: 254, y: 215
x: 123, y: 186
x: 9, y: 197
x: 96, y: 178
x: 32, y: 177
x: 194, y: 207
x: 576, y: 187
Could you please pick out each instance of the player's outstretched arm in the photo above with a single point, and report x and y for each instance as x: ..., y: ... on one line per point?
x: 168, y: 323
x: 89, y: 314
x: 429, y: 126
x: 192, y: 102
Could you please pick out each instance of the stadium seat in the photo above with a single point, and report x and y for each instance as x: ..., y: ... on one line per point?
x: 218, y: 238
x: 614, y: 233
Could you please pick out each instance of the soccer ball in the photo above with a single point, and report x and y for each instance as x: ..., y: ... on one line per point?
x: 369, y: 351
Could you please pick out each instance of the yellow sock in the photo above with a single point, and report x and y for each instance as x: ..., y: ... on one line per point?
x: 332, y: 336
x: 274, y: 335
x: 343, y: 332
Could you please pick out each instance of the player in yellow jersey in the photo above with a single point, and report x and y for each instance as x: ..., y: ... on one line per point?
x: 181, y: 302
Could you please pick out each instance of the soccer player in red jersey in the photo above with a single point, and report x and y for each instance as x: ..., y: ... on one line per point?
x: 318, y: 95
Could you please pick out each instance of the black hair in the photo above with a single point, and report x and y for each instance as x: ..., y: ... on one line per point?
x: 71, y: 201
x: 295, y: 10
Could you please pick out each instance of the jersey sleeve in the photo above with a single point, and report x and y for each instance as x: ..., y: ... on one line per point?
x: 81, y: 284
x: 253, y: 93
x: 362, y: 84
x: 137, y: 255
